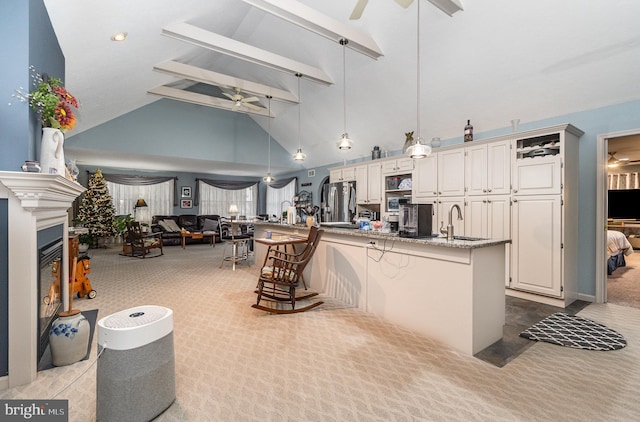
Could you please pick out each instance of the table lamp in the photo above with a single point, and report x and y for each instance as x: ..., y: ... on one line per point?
x: 141, y: 212
x: 233, y: 211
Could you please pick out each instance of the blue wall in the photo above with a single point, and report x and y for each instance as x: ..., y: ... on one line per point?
x: 28, y: 39
x: 178, y: 129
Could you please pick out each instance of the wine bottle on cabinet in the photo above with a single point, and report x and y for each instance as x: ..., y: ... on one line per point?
x: 468, y: 132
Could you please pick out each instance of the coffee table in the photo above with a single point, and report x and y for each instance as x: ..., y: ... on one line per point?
x: 197, y: 235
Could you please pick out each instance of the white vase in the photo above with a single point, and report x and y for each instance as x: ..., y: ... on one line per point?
x: 52, y: 152
x: 69, y: 339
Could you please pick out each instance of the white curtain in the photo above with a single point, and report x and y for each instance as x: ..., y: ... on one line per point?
x: 275, y: 197
x: 217, y: 201
x: 159, y: 197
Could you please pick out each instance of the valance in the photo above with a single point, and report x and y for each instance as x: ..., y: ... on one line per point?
x: 222, y: 184
x: 125, y: 179
x: 279, y: 184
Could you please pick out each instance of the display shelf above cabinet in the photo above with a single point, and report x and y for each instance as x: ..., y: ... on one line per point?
x: 539, y: 146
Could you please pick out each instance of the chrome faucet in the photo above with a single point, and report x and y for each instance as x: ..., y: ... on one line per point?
x: 449, y: 230
x: 281, y: 210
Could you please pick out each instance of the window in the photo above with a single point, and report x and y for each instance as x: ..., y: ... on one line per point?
x: 159, y: 197
x: 275, y: 197
x: 217, y: 201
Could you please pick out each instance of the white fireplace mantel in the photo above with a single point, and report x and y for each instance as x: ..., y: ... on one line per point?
x: 36, y: 201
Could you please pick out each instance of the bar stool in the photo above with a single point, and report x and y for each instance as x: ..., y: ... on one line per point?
x: 238, y: 242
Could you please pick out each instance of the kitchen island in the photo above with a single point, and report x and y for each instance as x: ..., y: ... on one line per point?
x: 449, y: 290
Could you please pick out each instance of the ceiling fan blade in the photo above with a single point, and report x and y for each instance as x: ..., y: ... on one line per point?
x: 357, y: 11
x: 251, y: 100
x: 229, y: 95
x: 252, y: 106
x: 404, y: 3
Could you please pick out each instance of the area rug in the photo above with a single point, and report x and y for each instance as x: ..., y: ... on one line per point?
x: 574, y: 331
x: 46, y: 361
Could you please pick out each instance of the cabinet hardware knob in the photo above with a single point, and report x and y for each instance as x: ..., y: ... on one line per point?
x: 515, y: 191
x: 490, y: 190
x: 515, y: 200
x: 484, y: 190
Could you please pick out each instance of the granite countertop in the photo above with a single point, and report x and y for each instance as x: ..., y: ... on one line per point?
x: 371, y: 234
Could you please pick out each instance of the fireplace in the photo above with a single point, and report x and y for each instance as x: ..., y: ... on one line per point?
x: 36, y: 203
x: 49, y: 292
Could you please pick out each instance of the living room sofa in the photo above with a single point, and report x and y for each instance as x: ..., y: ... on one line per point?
x: 189, y: 222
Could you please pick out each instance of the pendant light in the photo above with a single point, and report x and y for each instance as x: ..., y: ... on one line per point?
x: 418, y: 149
x: 299, y: 155
x: 269, y: 178
x: 344, y: 143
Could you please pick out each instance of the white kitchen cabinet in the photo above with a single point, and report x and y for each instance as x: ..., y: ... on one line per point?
x: 397, y: 166
x: 538, y: 176
x: 488, y: 216
x: 425, y: 178
x: 342, y: 174
x: 536, y: 252
x: 368, y: 183
x: 544, y: 226
x: 488, y: 168
x: 451, y: 172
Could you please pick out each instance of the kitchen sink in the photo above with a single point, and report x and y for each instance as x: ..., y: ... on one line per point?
x: 468, y: 238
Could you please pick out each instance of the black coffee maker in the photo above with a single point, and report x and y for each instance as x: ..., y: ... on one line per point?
x: 414, y: 220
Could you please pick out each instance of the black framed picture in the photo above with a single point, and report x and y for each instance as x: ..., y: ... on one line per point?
x: 186, y: 203
x: 186, y: 192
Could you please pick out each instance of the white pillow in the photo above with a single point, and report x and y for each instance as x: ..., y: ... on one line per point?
x: 173, y: 226
x: 164, y: 226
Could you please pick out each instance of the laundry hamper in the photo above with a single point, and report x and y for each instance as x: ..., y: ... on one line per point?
x: 136, y: 369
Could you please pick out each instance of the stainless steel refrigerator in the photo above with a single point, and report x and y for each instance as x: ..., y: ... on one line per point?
x: 339, y: 202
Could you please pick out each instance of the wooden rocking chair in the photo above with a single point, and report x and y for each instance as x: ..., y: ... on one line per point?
x: 281, y: 275
x: 141, y: 243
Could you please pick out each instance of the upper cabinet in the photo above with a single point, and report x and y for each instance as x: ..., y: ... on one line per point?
x: 425, y: 178
x: 537, y: 166
x: 397, y: 166
x: 488, y: 168
x: 343, y: 174
x: 451, y: 172
x: 368, y: 183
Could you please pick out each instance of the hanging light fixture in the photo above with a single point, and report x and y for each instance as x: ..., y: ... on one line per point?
x: 299, y: 155
x: 344, y: 143
x: 418, y: 149
x: 269, y: 178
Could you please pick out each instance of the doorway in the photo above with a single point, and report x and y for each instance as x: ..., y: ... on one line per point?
x: 621, y: 150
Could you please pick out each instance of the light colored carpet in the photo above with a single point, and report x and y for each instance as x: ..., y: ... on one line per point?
x: 334, y: 363
x: 623, y: 286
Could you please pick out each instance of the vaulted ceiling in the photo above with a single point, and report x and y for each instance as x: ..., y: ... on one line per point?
x: 494, y: 61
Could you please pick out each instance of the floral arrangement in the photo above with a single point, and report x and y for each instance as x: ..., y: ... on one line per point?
x: 51, y: 101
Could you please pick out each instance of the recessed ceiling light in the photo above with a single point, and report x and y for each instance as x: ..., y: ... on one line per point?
x: 119, y: 36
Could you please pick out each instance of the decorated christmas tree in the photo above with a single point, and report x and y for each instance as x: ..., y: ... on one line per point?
x: 96, y: 209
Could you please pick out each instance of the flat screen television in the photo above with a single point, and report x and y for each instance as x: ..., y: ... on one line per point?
x: 624, y: 204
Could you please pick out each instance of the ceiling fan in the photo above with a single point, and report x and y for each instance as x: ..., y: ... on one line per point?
x: 240, y: 101
x: 615, y: 162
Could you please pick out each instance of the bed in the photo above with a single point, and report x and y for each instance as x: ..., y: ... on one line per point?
x: 617, y: 247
